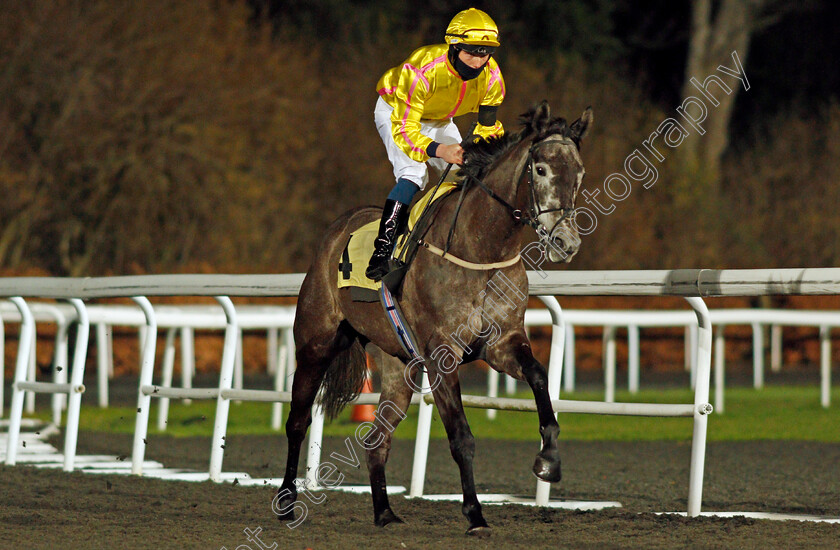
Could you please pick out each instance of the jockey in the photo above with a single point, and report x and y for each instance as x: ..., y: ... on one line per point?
x: 417, y: 101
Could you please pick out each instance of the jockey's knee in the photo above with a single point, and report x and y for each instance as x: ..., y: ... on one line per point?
x: 404, y: 191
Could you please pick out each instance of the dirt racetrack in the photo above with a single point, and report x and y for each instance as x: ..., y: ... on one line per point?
x: 50, y: 509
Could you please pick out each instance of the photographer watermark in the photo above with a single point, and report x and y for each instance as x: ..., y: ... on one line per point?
x: 253, y: 536
x: 327, y: 474
x: 501, y: 296
x: 670, y: 133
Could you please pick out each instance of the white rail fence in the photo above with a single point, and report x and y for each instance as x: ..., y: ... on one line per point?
x: 691, y: 284
x: 277, y: 321
x: 634, y: 320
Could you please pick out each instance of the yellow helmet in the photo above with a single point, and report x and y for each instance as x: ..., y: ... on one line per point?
x: 473, y: 27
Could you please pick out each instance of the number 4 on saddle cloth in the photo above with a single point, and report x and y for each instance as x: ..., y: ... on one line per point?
x: 359, y: 248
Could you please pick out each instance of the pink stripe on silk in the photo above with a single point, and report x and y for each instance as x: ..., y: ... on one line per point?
x: 405, y: 118
x: 496, y: 76
x: 460, y: 99
x: 420, y: 74
x: 431, y: 64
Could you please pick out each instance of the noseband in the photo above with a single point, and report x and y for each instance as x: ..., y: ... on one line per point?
x: 531, y: 216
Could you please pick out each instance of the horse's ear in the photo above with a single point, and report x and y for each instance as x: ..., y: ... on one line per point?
x: 541, y: 118
x: 580, y: 127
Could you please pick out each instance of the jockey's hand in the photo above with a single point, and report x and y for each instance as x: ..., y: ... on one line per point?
x: 452, y: 154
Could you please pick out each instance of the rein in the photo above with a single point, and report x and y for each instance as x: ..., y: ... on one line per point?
x: 531, y: 217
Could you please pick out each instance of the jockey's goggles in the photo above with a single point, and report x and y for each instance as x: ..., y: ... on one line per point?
x: 478, y: 50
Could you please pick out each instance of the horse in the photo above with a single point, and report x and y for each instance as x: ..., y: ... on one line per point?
x: 525, y: 178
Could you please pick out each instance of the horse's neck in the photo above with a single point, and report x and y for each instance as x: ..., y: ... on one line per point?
x: 486, y: 231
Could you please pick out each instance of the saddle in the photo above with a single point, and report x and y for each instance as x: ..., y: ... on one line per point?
x: 359, y: 248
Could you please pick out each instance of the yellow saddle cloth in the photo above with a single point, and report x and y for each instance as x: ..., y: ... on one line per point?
x: 357, y: 253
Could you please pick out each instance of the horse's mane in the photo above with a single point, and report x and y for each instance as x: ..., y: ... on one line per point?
x: 481, y: 154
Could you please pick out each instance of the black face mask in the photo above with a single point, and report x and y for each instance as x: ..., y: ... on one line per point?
x: 464, y: 71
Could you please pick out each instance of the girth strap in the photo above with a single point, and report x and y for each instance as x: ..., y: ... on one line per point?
x: 397, y: 322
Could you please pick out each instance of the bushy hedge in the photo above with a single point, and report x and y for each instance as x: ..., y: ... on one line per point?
x: 162, y: 136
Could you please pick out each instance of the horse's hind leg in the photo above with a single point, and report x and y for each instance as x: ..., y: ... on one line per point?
x: 313, y: 359
x: 393, y: 404
x: 510, y: 355
x: 461, y: 445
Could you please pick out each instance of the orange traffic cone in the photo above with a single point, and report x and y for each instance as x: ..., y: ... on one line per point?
x: 364, y: 413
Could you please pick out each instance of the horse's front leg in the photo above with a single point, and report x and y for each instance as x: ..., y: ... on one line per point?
x: 447, y: 393
x: 512, y: 355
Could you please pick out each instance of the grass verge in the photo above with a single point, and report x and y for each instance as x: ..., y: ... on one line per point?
x: 775, y: 412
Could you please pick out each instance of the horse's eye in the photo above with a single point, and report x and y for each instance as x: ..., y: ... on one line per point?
x: 540, y: 171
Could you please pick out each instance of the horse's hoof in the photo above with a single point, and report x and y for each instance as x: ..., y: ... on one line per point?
x: 283, y: 507
x: 288, y: 516
x: 386, y: 517
x: 480, y: 531
x: 547, y: 470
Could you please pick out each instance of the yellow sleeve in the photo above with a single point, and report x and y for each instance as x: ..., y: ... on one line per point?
x: 410, y: 97
x: 493, y: 98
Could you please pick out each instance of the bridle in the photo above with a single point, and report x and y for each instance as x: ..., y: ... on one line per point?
x: 531, y: 216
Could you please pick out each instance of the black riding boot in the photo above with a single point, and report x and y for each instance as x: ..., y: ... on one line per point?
x: 394, y: 218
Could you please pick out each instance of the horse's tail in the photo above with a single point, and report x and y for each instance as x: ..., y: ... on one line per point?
x: 344, y: 379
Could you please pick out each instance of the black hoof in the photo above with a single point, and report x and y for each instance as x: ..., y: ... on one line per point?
x: 547, y: 469
x: 480, y: 531
x: 386, y: 517
x: 288, y: 516
x: 283, y: 505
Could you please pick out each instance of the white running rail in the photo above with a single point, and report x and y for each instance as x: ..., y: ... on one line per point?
x: 690, y: 283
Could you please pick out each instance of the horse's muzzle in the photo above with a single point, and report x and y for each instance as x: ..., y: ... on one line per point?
x: 563, y: 244
x: 558, y: 253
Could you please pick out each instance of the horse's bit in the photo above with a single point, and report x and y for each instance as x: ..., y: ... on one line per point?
x: 534, y: 211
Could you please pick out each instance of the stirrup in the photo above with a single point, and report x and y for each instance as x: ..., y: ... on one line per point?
x: 384, y: 270
x: 396, y: 272
x: 376, y: 272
